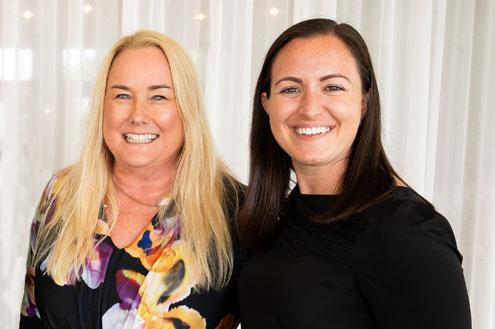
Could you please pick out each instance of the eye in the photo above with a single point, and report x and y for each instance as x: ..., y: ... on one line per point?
x: 159, y: 98
x: 123, y: 96
x: 333, y: 88
x: 289, y: 90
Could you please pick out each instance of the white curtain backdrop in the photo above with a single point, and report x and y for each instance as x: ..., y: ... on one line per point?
x: 434, y: 60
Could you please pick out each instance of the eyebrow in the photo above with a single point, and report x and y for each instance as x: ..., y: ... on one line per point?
x: 154, y: 87
x: 294, y: 79
x: 335, y: 75
x: 159, y: 87
x: 323, y: 78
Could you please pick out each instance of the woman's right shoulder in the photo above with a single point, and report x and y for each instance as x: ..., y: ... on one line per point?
x: 53, y: 185
x: 48, y: 198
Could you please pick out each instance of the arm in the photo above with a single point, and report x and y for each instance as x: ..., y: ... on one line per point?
x: 30, y: 317
x: 409, y: 270
x: 232, y: 320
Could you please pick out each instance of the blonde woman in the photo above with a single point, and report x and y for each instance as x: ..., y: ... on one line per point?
x: 139, y: 232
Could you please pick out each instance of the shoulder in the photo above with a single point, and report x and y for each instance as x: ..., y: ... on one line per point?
x: 233, y: 197
x: 407, y: 265
x: 405, y: 228
x: 56, y: 182
x: 406, y: 214
x: 48, y: 200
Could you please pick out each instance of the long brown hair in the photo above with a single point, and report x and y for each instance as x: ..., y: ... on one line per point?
x: 369, y: 176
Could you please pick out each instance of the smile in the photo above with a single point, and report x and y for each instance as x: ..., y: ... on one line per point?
x: 312, y: 131
x: 140, y: 138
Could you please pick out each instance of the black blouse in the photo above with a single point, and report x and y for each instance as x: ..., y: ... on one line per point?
x: 392, y: 266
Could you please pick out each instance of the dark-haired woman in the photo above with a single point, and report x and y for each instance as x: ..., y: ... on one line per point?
x: 351, y: 245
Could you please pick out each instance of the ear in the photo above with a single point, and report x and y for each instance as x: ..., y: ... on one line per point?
x: 364, y: 105
x: 264, y: 100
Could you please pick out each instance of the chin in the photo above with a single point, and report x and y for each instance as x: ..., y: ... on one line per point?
x: 310, y: 157
x: 313, y: 161
x: 135, y: 163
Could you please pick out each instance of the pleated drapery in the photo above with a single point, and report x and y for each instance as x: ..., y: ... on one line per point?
x: 434, y: 61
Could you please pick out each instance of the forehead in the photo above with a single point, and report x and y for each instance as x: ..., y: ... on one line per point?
x: 323, y: 54
x: 140, y: 62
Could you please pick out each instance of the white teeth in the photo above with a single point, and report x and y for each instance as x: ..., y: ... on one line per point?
x: 312, y: 130
x: 140, y: 138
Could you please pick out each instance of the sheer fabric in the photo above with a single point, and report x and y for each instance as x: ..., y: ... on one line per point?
x: 433, y: 60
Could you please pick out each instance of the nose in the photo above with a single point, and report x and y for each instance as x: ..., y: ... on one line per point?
x: 139, y: 110
x: 311, y: 104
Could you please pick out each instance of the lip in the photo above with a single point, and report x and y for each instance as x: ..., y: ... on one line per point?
x: 140, y: 138
x: 140, y: 133
x: 313, y: 131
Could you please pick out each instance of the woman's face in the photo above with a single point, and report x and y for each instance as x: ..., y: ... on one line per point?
x: 141, y: 121
x: 316, y: 102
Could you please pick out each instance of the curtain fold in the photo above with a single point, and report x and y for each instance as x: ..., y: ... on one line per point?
x: 435, y: 70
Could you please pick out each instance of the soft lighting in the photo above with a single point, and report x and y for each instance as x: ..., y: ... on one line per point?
x: 199, y: 16
x: 27, y: 14
x: 47, y: 111
x: 274, y: 11
x: 16, y: 64
x: 87, y: 8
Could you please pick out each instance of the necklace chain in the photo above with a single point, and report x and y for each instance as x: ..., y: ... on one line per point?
x: 160, y: 202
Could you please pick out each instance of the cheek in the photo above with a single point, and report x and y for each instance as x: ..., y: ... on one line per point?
x: 108, y: 135
x: 349, y: 130
x: 278, y: 113
x: 347, y: 112
x: 110, y: 116
x: 170, y: 121
x: 111, y: 125
x: 276, y: 126
x: 106, y: 124
x: 167, y: 119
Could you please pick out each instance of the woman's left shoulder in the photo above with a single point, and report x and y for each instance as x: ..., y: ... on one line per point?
x: 406, y: 262
x: 234, y: 192
x: 406, y: 221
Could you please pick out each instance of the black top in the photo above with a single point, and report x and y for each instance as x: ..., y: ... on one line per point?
x: 392, y: 266
x: 144, y: 285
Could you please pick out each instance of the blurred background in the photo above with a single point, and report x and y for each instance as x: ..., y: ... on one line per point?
x: 434, y: 61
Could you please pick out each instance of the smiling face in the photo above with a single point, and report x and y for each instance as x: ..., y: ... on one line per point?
x: 142, y: 126
x: 316, y: 102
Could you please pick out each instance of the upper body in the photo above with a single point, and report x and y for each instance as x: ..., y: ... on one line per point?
x: 373, y: 255
x: 147, y: 284
x: 394, y: 265
x: 140, y: 232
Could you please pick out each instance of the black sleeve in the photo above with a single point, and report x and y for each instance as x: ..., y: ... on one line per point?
x: 30, y: 316
x: 234, y: 196
x: 408, y: 270
x: 233, y: 320
x: 30, y: 323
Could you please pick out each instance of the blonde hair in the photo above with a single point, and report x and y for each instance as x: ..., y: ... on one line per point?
x: 203, y: 189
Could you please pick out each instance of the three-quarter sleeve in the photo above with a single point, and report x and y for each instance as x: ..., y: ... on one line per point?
x: 30, y: 317
x: 409, y: 272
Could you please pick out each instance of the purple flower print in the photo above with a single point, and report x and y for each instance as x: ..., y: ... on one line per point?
x: 96, y: 267
x: 128, y: 284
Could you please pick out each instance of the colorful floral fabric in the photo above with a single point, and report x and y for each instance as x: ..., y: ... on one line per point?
x: 147, y: 285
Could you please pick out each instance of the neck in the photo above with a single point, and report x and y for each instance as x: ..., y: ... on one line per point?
x: 139, y: 182
x: 320, y: 179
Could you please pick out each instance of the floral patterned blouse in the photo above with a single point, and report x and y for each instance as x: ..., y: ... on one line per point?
x: 145, y: 285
